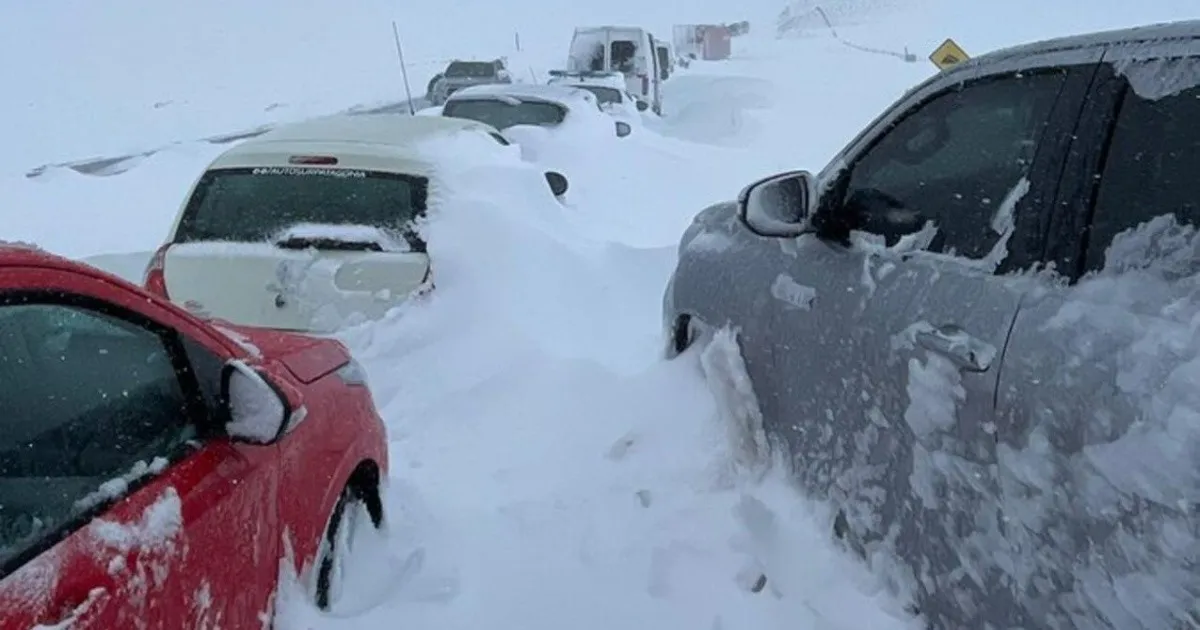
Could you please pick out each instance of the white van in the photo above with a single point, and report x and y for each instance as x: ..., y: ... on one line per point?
x: 311, y: 225
x: 626, y: 49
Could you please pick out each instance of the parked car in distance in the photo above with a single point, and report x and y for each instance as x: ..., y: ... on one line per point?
x: 312, y: 226
x: 974, y: 332
x: 504, y: 106
x: 609, y: 90
x: 150, y: 460
x: 460, y: 74
x: 629, y: 50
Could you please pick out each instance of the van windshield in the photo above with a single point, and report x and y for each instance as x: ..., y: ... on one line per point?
x: 622, y: 54
x: 506, y: 113
x: 254, y: 204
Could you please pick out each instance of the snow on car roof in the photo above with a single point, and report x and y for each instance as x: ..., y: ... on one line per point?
x: 606, y: 79
x: 392, y: 129
x: 388, y: 142
x: 562, y: 94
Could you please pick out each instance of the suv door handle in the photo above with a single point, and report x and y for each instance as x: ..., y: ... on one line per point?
x: 967, y: 352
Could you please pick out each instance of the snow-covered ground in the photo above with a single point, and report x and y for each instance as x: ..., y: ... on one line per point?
x: 549, y: 470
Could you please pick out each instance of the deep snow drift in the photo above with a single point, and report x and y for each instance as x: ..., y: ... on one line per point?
x: 549, y: 470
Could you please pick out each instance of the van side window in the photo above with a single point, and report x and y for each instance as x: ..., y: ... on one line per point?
x: 1152, y: 164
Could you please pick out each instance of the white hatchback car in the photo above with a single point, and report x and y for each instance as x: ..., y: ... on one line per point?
x: 312, y: 225
x: 608, y: 88
x: 504, y: 106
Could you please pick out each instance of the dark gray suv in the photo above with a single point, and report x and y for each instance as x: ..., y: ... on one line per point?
x: 464, y: 74
x: 976, y: 333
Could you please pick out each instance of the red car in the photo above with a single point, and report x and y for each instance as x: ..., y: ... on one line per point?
x: 156, y: 470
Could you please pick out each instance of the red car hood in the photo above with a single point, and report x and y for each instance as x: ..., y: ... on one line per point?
x: 307, y: 358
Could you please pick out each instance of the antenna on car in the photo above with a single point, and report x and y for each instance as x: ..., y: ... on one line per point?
x: 412, y: 110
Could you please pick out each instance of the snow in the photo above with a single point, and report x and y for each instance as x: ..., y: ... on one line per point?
x: 256, y: 411
x: 161, y: 522
x: 792, y: 293
x: 1159, y: 78
x: 549, y: 469
x: 118, y: 486
x: 242, y: 341
x: 346, y: 233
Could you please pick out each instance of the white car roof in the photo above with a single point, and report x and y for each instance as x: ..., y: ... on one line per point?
x: 372, y: 141
x: 614, y: 80
x: 565, y: 95
x: 389, y: 129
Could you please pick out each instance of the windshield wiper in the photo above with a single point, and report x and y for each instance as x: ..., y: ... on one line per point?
x: 328, y: 244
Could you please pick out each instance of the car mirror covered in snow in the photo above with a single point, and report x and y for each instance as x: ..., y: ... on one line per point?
x: 558, y: 183
x: 623, y: 129
x: 642, y: 105
x: 778, y: 205
x: 258, y: 411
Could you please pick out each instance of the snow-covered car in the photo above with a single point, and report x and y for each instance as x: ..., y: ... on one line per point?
x: 462, y: 74
x: 156, y: 470
x: 975, y: 332
x: 629, y: 50
x: 313, y: 225
x: 608, y: 88
x: 505, y: 106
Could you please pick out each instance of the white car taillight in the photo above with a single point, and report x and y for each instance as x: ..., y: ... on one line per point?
x: 154, y: 279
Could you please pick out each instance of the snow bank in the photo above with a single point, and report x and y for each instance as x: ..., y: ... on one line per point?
x: 78, y: 215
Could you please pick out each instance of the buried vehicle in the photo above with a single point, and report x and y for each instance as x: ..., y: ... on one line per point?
x: 313, y: 226
x: 551, y: 106
x: 150, y: 460
x: 609, y: 90
x: 462, y: 74
x: 974, y: 333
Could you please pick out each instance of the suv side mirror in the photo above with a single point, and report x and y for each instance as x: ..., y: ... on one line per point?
x: 623, y: 129
x: 642, y: 105
x: 257, y: 410
x: 778, y: 205
x: 558, y: 183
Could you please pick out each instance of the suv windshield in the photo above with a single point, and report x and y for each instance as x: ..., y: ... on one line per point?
x: 606, y: 95
x: 506, y: 113
x: 254, y: 204
x: 471, y: 69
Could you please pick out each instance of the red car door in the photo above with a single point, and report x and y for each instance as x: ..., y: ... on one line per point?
x: 121, y: 504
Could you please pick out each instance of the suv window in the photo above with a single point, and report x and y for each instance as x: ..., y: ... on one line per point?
x: 86, y: 398
x: 471, y: 69
x: 953, y: 161
x: 604, y: 95
x: 1152, y: 166
x: 502, y: 114
x: 254, y: 204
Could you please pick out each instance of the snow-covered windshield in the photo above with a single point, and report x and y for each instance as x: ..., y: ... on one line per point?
x: 606, y: 95
x: 252, y: 204
x: 503, y: 114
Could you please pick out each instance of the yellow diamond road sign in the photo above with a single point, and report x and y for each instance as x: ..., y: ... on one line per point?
x: 948, y: 54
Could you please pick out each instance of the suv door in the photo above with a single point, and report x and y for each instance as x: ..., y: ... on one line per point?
x: 890, y: 365
x: 118, y: 498
x: 1098, y: 402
